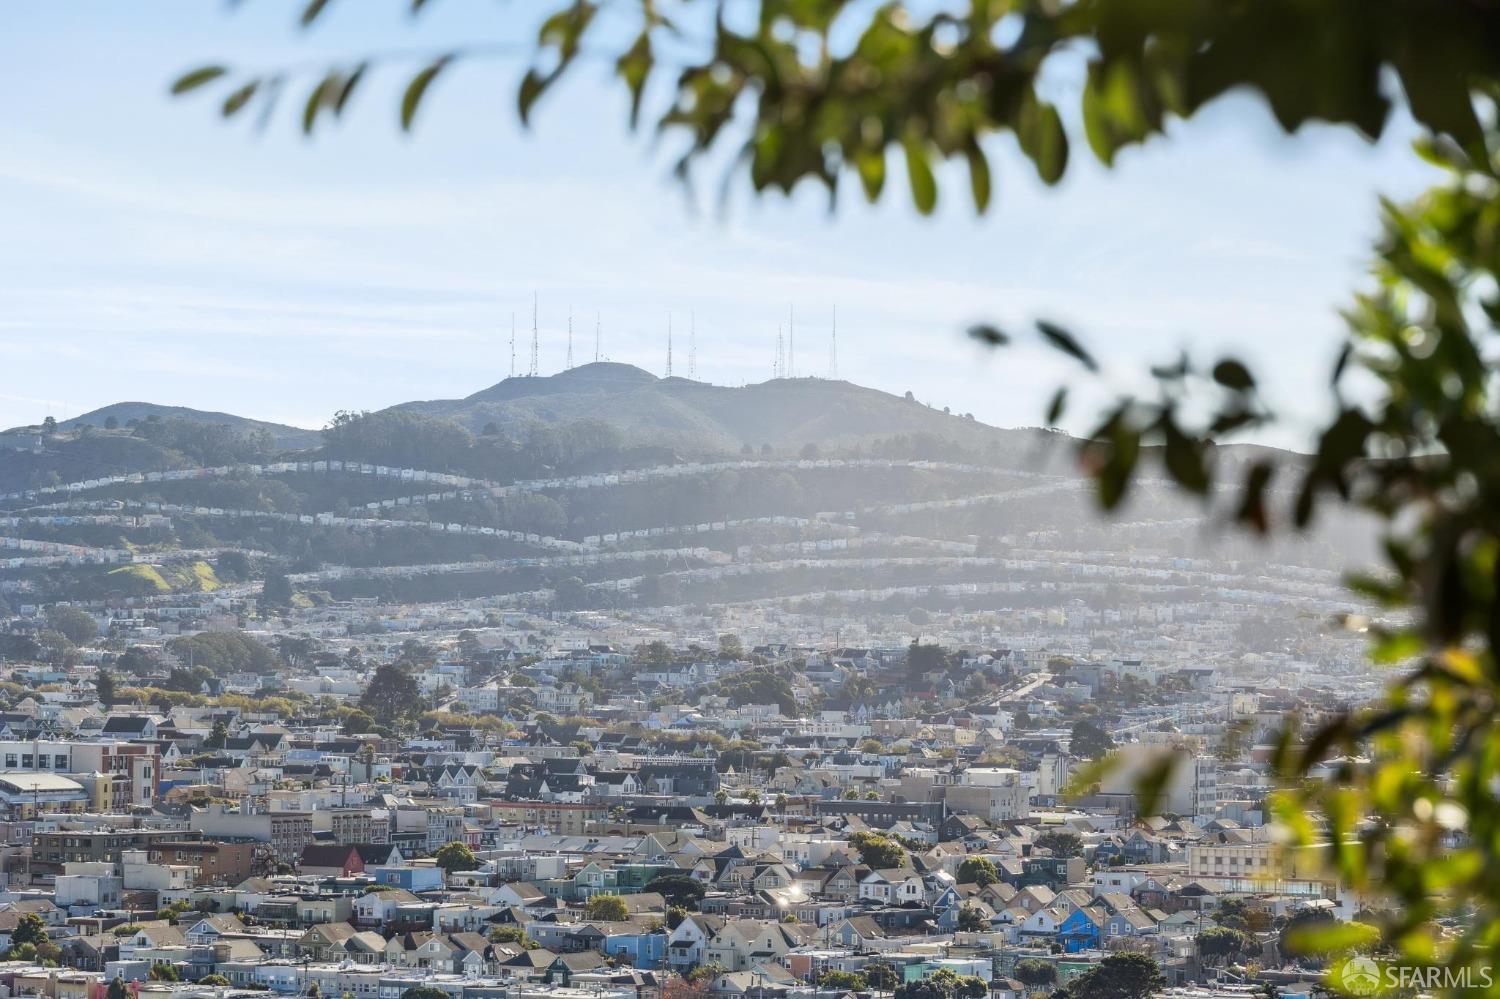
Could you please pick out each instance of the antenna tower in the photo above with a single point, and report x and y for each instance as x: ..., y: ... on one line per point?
x: 791, y: 341
x: 533, y: 335
x: 513, y: 343
x: 570, y: 338
x: 833, y: 346
x: 692, y: 345
x: 596, y: 338
x: 778, y: 370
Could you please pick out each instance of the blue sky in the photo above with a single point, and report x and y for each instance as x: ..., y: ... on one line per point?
x: 153, y: 253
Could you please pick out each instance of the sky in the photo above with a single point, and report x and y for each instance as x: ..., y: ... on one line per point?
x: 151, y: 252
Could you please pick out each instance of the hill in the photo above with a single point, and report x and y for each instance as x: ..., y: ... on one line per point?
x: 784, y: 414
x: 287, y: 438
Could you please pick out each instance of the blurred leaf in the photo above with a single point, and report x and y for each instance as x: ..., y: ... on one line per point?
x: 1058, y: 404
x: 311, y: 12
x: 919, y: 175
x: 193, y: 79
x: 238, y: 98
x: 411, y: 99
x: 979, y: 178
x: 1234, y: 375
x: 988, y: 334
x: 1064, y: 341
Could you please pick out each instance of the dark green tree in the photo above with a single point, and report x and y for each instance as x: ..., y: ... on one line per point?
x: 1035, y: 973
x: 30, y: 929
x: 1089, y: 741
x: 392, y: 696
x: 678, y: 889
x: 979, y: 871
x: 1060, y: 842
x: 104, y: 687
x: 1119, y: 976
x: 276, y: 591
x: 877, y: 851
x: 456, y: 856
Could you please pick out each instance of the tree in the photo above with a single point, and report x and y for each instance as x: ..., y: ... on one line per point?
x: 943, y: 984
x: 30, y: 929
x: 678, y: 889
x: 104, y: 687
x: 392, y: 695
x: 164, y: 972
x: 979, y: 871
x: 730, y: 647
x: 1119, y: 976
x: 844, y: 981
x: 215, y: 980
x: 357, y: 722
x: 972, y: 920
x: 1036, y: 974
x: 608, y: 908
x: 877, y: 851
x: 276, y: 591
x: 455, y: 856
x: 1060, y: 842
x: 881, y: 975
x: 218, y: 736
x: 49, y: 426
x: 1425, y: 427
x: 424, y: 992
x: 73, y: 623
x: 1089, y: 741
x: 1218, y: 944
x: 116, y: 989
x: 512, y: 934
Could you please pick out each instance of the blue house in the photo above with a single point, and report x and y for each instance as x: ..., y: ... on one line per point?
x: 1082, y: 930
x: 413, y: 879
x: 638, y: 948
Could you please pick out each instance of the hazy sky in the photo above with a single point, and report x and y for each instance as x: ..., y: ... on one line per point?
x: 151, y: 252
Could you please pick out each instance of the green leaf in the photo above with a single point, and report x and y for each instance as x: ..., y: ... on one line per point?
x: 1234, y: 375
x: 195, y: 78
x: 311, y: 11
x: 991, y: 335
x: 1330, y: 937
x: 1040, y: 132
x: 634, y: 68
x: 314, y: 103
x: 870, y: 164
x: 412, y: 98
x: 1064, y: 341
x: 347, y: 90
x: 532, y: 86
x: 1058, y: 405
x: 237, y: 100
x: 919, y: 175
x: 979, y: 177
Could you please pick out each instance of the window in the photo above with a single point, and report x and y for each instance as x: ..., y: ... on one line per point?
x: 27, y: 761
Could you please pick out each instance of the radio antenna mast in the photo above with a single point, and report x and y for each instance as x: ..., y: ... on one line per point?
x: 692, y: 345
x: 833, y: 347
x: 513, y: 343
x: 596, y: 338
x: 533, y: 334
x: 791, y: 341
x: 778, y: 370
x: 569, y: 365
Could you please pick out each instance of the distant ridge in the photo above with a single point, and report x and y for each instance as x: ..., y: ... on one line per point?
x: 784, y: 413
x: 123, y: 412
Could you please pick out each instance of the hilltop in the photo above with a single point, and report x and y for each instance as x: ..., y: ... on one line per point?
x: 785, y: 414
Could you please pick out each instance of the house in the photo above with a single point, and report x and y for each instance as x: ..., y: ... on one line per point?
x: 1083, y: 929
x: 325, y: 941
x: 376, y: 908
x: 687, y: 945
